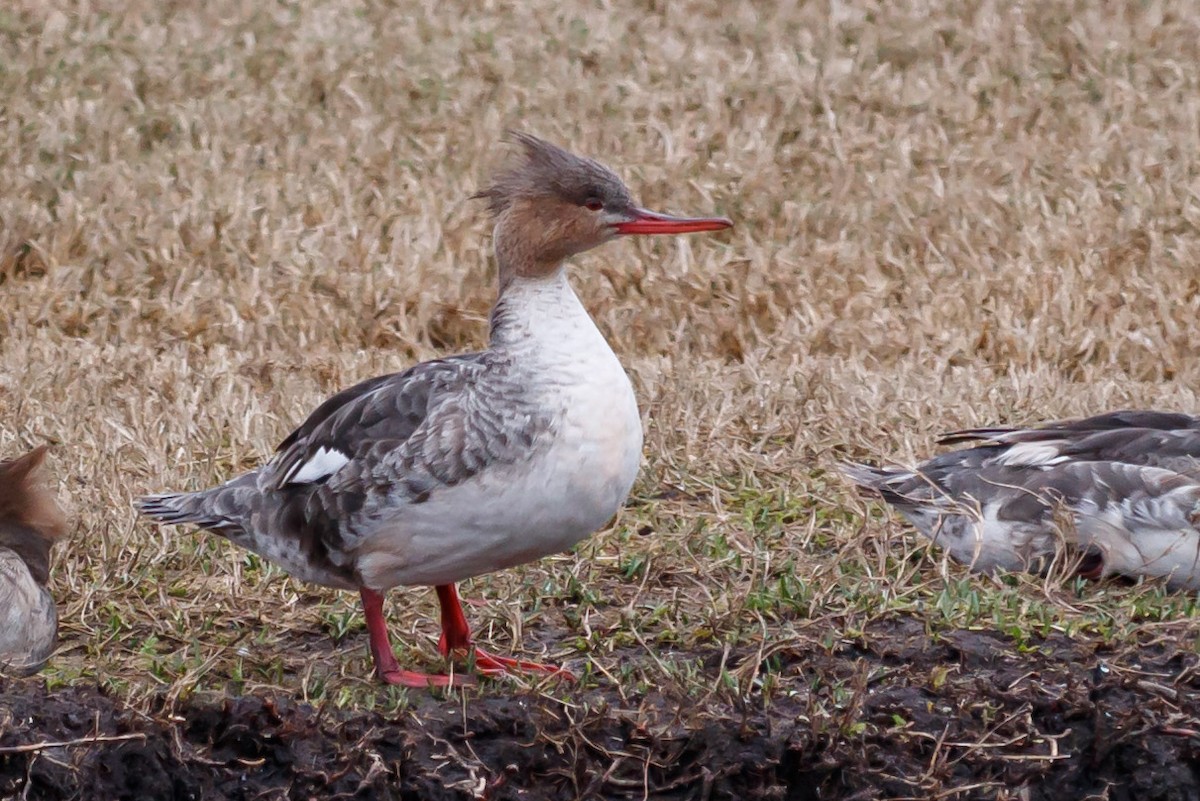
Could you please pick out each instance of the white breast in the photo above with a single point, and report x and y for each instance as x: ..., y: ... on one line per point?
x: 516, y: 513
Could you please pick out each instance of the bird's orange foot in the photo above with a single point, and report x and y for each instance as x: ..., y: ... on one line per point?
x: 409, y: 678
x: 455, y: 643
x: 489, y: 664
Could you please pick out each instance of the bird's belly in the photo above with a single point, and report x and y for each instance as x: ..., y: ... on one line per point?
x: 28, y: 619
x: 511, y: 514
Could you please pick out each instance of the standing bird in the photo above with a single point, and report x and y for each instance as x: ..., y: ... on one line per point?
x: 1128, y: 481
x: 30, y: 522
x: 469, y: 464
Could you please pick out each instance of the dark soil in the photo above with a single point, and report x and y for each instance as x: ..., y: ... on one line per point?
x: 894, y: 715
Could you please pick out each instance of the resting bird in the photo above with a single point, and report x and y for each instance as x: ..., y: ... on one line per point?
x: 1129, y: 482
x: 30, y: 522
x: 469, y: 464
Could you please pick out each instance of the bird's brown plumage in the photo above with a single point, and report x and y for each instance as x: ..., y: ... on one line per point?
x: 30, y: 522
x: 30, y: 517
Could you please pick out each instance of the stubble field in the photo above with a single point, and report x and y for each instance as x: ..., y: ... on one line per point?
x: 948, y: 214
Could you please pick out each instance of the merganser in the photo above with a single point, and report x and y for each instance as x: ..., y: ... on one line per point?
x: 469, y: 464
x: 1128, y: 480
x: 30, y: 522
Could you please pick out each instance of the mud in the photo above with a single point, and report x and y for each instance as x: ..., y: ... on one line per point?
x: 894, y: 714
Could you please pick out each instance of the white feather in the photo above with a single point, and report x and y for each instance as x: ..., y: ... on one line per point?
x: 325, y: 462
x: 1031, y: 454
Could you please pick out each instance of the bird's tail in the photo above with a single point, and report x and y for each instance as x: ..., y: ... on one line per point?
x: 179, y: 507
x: 880, y: 482
x: 224, y: 509
x: 916, y: 495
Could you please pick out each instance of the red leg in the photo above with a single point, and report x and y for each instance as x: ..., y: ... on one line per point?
x: 386, y: 666
x: 456, y: 643
x: 456, y: 634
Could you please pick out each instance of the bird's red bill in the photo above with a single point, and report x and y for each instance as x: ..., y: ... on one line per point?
x: 651, y: 222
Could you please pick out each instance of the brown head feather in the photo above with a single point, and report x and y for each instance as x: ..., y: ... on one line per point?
x: 30, y: 517
x: 549, y: 205
x: 544, y: 171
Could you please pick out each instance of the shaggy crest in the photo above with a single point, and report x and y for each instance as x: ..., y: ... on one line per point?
x: 543, y: 169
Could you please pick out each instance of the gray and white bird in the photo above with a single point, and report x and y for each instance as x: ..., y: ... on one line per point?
x: 469, y: 464
x: 1128, y: 482
x: 30, y: 522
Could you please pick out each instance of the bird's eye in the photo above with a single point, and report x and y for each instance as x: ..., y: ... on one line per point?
x: 593, y: 203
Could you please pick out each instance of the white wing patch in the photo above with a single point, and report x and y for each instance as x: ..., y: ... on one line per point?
x: 322, y: 464
x: 1032, y: 454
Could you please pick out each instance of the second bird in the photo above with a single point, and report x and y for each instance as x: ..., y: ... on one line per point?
x: 470, y: 464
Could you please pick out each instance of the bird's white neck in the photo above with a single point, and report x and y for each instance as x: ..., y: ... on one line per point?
x: 542, y: 312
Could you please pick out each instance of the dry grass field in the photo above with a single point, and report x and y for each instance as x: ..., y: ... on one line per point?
x: 949, y: 214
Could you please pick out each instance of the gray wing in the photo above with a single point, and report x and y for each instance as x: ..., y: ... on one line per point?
x: 438, y: 423
x: 1153, y: 439
x: 1125, y: 418
x: 401, y: 438
x: 1030, y: 493
x: 364, y: 454
x: 385, y: 409
x: 1134, y: 519
x: 1158, y: 439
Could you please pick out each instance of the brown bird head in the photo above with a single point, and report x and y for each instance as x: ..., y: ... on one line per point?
x: 550, y: 204
x: 30, y: 517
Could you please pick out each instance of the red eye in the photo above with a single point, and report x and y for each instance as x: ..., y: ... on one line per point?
x: 595, y: 204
